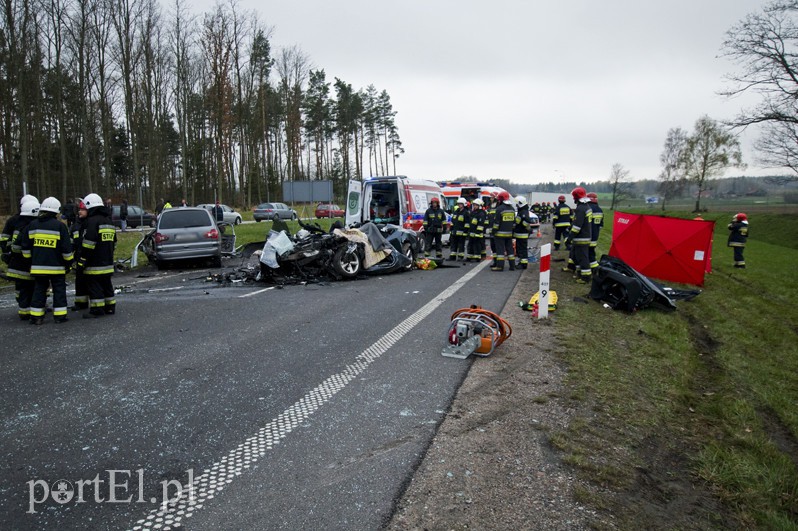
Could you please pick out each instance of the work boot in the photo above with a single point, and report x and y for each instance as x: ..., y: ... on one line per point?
x: 566, y: 269
x: 523, y: 265
x: 36, y: 320
x: 78, y: 307
x: 24, y: 317
x: 94, y: 314
x: 512, y: 265
x: 498, y: 267
x: 60, y: 319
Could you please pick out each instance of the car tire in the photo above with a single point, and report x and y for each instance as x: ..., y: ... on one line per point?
x: 258, y: 220
x: 161, y: 265
x: 237, y: 221
x: 276, y: 217
x: 407, y: 250
x: 294, y: 216
x: 347, y: 264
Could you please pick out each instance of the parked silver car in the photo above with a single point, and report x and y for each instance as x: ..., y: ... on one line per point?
x: 230, y: 215
x: 184, y: 233
x: 273, y: 211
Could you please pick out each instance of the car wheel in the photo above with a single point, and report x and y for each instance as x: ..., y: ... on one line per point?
x: 161, y: 265
x: 347, y: 264
x: 276, y: 217
x: 237, y: 221
x: 407, y: 250
x: 258, y: 220
x: 294, y: 216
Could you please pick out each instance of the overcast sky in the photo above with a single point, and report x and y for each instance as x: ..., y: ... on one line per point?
x: 526, y: 90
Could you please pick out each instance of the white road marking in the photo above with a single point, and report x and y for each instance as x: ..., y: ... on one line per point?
x: 213, y: 480
x: 255, y: 292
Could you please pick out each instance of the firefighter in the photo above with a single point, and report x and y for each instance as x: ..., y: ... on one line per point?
x: 598, y: 223
x: 458, y: 231
x: 521, y: 232
x: 18, y: 265
x: 561, y: 221
x: 738, y: 235
x: 503, y: 225
x: 434, y: 218
x: 10, y: 227
x: 580, y: 235
x: 45, y: 242
x: 477, y: 226
x: 493, y: 202
x: 76, y: 231
x: 96, y: 261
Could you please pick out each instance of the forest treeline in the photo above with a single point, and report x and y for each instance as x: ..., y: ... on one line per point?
x: 134, y: 99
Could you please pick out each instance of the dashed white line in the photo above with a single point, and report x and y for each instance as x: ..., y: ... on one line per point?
x: 255, y: 292
x: 213, y: 480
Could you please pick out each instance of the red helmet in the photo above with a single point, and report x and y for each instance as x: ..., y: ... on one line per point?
x: 81, y: 206
x: 578, y: 193
x: 503, y: 196
x: 741, y: 217
x: 435, y: 200
x: 593, y: 197
x: 561, y: 199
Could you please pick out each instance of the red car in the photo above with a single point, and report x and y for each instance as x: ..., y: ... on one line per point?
x: 329, y: 210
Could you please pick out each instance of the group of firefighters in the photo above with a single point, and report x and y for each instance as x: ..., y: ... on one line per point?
x: 507, y: 223
x: 504, y: 221
x: 40, y: 250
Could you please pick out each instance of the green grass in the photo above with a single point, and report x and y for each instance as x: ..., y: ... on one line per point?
x: 709, y: 392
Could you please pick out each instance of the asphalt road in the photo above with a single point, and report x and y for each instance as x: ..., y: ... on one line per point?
x: 303, y: 407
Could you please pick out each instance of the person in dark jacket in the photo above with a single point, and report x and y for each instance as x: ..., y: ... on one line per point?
x: 18, y: 265
x: 477, y: 226
x: 502, y: 230
x: 97, y: 258
x: 459, y: 234
x: 122, y: 214
x: 738, y: 236
x: 69, y: 212
x: 45, y: 241
x: 76, y: 231
x: 434, y: 219
x: 598, y: 223
x: 11, y: 228
x: 581, y: 233
x: 218, y: 212
x: 521, y: 231
x: 561, y: 221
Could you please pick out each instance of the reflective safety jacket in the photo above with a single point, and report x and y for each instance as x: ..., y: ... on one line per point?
x: 504, y: 222
x: 561, y: 215
x: 99, y: 241
x: 739, y: 233
x: 598, y: 223
x: 582, y: 227
x: 522, y: 223
x: 9, y: 230
x: 18, y: 265
x: 76, y: 234
x: 478, y: 223
x: 460, y: 219
x: 434, y: 218
x: 45, y: 241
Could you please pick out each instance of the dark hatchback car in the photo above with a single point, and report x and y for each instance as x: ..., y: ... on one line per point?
x: 273, y: 211
x: 136, y: 217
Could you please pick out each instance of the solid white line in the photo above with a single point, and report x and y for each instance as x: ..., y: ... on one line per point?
x: 255, y: 292
x: 213, y: 480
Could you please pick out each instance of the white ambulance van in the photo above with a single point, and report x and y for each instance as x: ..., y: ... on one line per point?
x: 393, y: 199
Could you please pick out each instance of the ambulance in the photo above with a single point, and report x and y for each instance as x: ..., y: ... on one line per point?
x: 393, y: 199
x: 454, y: 190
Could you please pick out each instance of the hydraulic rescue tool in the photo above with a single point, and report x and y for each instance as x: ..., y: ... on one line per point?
x: 475, y: 331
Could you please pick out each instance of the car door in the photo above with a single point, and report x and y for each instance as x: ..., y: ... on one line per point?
x: 354, y: 203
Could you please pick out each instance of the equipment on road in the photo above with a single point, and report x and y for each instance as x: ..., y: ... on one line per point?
x: 475, y: 331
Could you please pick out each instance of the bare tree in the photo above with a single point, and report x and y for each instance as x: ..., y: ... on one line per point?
x: 672, y: 176
x: 763, y: 46
x: 709, y: 151
x: 293, y: 67
x: 619, y: 184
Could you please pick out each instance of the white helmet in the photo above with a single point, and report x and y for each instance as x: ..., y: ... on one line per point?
x: 478, y: 202
x: 51, y: 204
x: 26, y: 198
x: 30, y: 208
x: 93, y: 200
x: 462, y: 201
x: 520, y: 201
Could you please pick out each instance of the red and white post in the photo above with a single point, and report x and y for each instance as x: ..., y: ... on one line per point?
x: 543, y: 290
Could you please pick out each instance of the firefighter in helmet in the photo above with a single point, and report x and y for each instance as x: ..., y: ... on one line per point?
x: 434, y: 219
x: 459, y: 234
x: 477, y: 226
x: 503, y: 225
x: 561, y: 221
x: 598, y: 223
x: 45, y: 241
x: 738, y: 235
x: 18, y: 265
x: 521, y: 231
x: 580, y: 236
x: 96, y: 261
